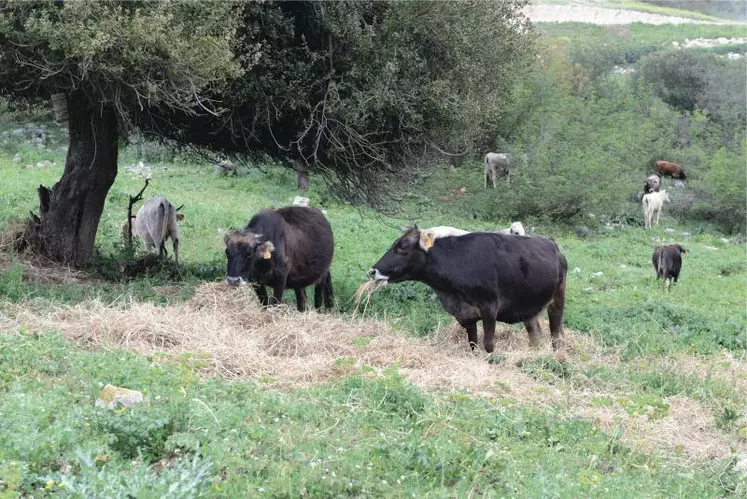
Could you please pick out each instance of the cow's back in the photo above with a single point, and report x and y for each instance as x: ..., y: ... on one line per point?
x: 519, y: 273
x: 303, y: 239
x: 151, y: 219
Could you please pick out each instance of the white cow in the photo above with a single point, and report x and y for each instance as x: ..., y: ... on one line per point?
x: 652, y: 203
x: 155, y: 222
x: 516, y: 228
x: 428, y: 236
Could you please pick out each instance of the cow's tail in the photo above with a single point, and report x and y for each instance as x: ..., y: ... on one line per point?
x: 163, y: 220
x: 682, y: 174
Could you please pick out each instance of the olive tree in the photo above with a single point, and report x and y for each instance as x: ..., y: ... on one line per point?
x: 365, y: 93
x: 116, y: 62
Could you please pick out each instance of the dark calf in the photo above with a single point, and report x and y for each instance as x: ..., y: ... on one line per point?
x: 667, y: 261
x: 289, y: 247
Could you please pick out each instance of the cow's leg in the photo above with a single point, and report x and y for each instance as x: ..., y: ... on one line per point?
x: 319, y: 294
x: 176, y: 251
x: 493, y: 175
x: 162, y: 250
x: 488, y: 326
x: 329, y: 293
x: 534, y: 330
x: 300, y: 298
x: 471, y: 327
x: 658, y: 212
x: 486, y: 178
x: 261, y: 294
x: 277, y: 293
x: 323, y: 293
x: 555, y: 314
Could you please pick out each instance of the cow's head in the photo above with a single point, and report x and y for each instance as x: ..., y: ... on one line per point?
x: 665, y: 196
x: 404, y: 259
x: 245, y: 251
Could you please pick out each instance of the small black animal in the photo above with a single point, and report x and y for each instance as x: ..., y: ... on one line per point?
x: 288, y: 247
x: 667, y: 262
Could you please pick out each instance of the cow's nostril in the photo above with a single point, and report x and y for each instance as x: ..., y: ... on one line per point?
x: 371, y: 272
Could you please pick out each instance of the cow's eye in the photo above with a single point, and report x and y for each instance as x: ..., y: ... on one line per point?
x: 401, y: 249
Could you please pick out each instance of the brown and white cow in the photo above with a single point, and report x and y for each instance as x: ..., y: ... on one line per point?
x: 669, y: 169
x: 484, y: 276
x: 154, y: 223
x: 288, y: 247
x: 667, y: 261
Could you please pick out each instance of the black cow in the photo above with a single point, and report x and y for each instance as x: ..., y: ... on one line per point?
x: 286, y: 247
x: 667, y: 262
x: 485, y: 276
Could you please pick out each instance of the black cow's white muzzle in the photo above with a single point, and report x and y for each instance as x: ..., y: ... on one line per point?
x: 235, y: 281
x: 377, y: 276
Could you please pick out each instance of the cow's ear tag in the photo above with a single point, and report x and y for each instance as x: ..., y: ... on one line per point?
x: 426, y: 240
x: 267, y: 249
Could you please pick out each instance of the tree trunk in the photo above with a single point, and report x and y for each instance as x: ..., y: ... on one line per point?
x: 71, y: 209
x: 303, y: 178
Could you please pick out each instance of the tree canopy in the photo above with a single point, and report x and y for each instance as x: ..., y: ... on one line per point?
x: 131, y: 56
x: 365, y: 93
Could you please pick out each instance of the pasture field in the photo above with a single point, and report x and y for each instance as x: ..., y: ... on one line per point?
x: 648, y: 400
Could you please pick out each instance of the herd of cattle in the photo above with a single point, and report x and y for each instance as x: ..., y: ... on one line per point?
x: 502, y: 276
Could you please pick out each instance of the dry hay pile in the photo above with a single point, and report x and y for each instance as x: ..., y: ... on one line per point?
x: 236, y: 339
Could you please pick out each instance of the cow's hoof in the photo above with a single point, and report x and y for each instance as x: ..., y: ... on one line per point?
x: 489, y: 347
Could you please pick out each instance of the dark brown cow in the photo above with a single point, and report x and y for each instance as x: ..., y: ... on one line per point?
x: 669, y: 169
x: 286, y: 247
x: 485, y: 276
x: 667, y: 262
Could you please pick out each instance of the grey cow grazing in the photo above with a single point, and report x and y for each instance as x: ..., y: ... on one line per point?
x: 496, y: 164
x: 155, y: 222
x: 652, y: 184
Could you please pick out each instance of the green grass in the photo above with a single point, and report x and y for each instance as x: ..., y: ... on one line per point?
x: 369, y: 435
x: 658, y: 9
x: 623, y: 306
x: 372, y: 433
x: 637, y: 34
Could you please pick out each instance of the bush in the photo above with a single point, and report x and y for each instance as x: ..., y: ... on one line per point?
x: 723, y: 192
x: 687, y: 79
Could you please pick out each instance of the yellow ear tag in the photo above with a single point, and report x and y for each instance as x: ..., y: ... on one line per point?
x: 428, y: 241
x: 266, y: 253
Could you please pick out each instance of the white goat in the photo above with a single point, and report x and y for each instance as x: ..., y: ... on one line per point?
x: 652, y: 203
x: 155, y: 222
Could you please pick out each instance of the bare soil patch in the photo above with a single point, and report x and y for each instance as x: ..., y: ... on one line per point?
x: 232, y: 337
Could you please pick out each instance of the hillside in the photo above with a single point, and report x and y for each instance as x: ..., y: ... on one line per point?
x: 386, y: 399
